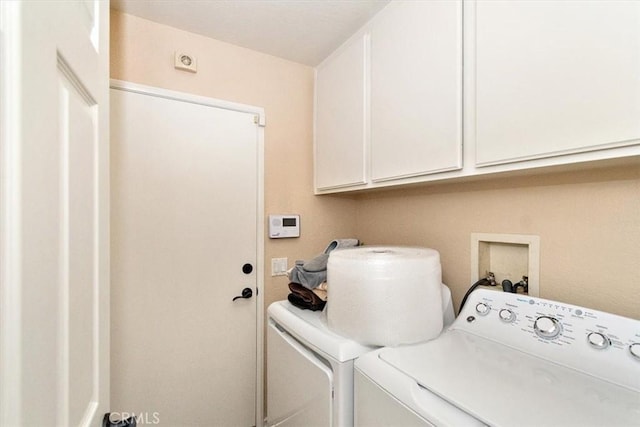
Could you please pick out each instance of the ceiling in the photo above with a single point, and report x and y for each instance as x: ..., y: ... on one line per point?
x: 304, y: 31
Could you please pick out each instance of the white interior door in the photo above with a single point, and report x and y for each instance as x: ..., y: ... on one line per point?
x: 54, y: 253
x: 184, y: 223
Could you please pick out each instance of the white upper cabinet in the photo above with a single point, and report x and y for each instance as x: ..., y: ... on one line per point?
x: 389, y: 101
x: 416, y: 89
x: 340, y: 127
x: 553, y: 78
x: 546, y: 84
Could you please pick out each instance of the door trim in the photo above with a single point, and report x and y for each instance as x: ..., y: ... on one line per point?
x: 261, y: 123
x: 10, y: 184
x: 188, y: 97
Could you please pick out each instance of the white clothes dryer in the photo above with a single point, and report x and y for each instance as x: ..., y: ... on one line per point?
x: 310, y: 368
x: 508, y: 360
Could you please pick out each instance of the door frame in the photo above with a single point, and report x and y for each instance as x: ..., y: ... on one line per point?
x: 10, y: 296
x: 261, y: 123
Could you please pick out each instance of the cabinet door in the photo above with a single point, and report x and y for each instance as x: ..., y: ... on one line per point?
x: 340, y: 118
x: 416, y: 89
x: 555, y: 77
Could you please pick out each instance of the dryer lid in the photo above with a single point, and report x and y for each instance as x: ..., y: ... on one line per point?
x: 501, y: 386
x: 310, y: 328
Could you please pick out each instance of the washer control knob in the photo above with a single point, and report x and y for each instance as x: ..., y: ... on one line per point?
x: 634, y: 349
x: 547, y: 327
x: 482, y: 309
x: 598, y: 340
x: 507, y: 315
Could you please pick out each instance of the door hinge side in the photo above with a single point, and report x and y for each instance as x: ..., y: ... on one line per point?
x: 259, y: 120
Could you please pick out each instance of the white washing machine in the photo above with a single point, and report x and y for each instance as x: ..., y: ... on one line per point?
x: 310, y: 368
x: 508, y: 360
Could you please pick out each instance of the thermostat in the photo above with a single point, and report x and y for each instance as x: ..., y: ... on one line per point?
x: 284, y: 226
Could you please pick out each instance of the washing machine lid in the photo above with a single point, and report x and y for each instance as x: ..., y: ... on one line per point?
x: 311, y: 329
x: 501, y: 386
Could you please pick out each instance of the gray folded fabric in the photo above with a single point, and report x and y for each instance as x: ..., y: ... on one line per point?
x: 308, y: 279
x: 312, y: 273
x: 341, y: 243
x: 319, y: 263
x: 316, y: 264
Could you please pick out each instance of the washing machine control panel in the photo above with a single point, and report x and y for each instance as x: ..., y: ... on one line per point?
x: 600, y: 343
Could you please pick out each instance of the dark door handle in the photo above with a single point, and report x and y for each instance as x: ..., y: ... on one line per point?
x: 246, y: 293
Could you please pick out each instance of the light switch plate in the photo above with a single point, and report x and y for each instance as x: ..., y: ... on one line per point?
x: 279, y: 266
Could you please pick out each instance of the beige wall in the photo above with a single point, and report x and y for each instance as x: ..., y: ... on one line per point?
x: 142, y: 52
x: 588, y: 222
